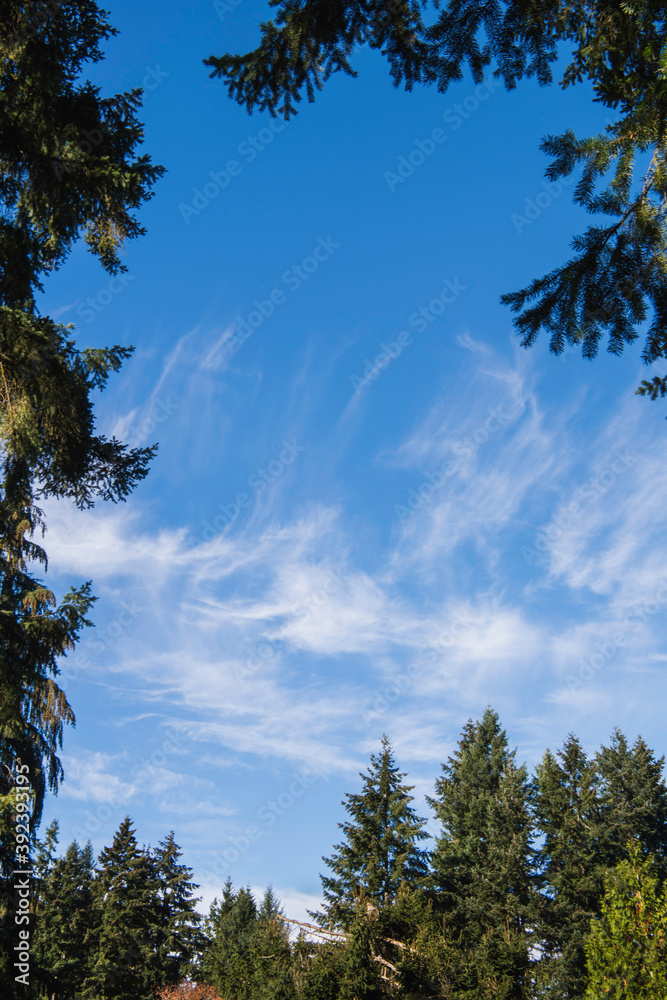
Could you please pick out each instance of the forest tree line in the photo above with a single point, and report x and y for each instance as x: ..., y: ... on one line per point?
x: 543, y: 886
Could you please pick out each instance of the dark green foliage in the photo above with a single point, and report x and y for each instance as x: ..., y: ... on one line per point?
x: 633, y: 801
x: 65, y: 923
x: 418, y: 945
x: 178, y: 939
x: 481, y: 880
x: 380, y: 851
x: 273, y: 954
x: 617, y: 278
x: 566, y: 813
x: 68, y: 170
x: 123, y: 930
x: 318, y: 968
x: 586, y: 810
x: 361, y: 977
x: 311, y: 40
x: 227, y: 960
x: 248, y: 956
x: 627, y: 946
x: 68, y: 166
x: 123, y: 963
x: 492, y: 919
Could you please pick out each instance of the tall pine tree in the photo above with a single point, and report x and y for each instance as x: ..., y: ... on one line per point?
x: 124, y: 963
x: 566, y: 810
x: 178, y: 940
x: 230, y: 925
x: 68, y: 170
x: 65, y: 923
x: 586, y: 811
x: 633, y: 800
x: 482, y: 864
x: 380, y: 851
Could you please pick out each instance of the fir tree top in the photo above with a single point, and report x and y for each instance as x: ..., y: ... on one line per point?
x: 380, y: 849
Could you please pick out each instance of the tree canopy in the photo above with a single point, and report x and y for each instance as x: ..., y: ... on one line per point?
x: 381, y: 847
x: 616, y: 281
x: 69, y: 170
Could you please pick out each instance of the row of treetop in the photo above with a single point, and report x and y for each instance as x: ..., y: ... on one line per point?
x: 550, y: 886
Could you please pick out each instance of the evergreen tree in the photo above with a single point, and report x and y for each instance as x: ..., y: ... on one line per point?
x: 380, y: 851
x: 566, y: 809
x: 178, y: 939
x: 68, y: 169
x: 618, y: 274
x: 586, y: 810
x: 482, y: 878
x: 361, y: 976
x: 124, y: 964
x: 420, y: 949
x: 273, y: 979
x: 633, y: 801
x: 65, y: 923
x: 229, y: 958
x: 627, y: 946
x: 318, y: 968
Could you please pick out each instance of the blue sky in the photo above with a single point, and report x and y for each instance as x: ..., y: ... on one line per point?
x: 319, y: 556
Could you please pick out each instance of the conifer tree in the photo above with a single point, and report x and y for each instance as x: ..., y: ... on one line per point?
x: 65, y: 923
x: 124, y: 965
x: 228, y: 959
x: 632, y: 801
x: 627, y: 946
x: 361, y: 976
x: 318, y: 968
x: 617, y: 278
x: 381, y: 845
x: 273, y: 974
x: 586, y: 810
x: 68, y: 170
x: 178, y: 939
x: 482, y: 863
x: 566, y: 810
x: 248, y: 955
